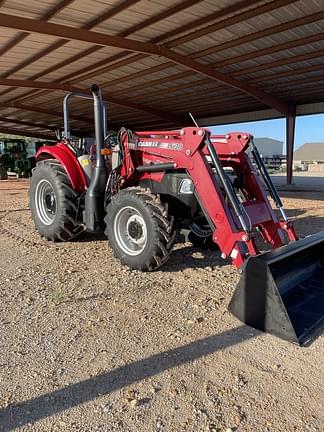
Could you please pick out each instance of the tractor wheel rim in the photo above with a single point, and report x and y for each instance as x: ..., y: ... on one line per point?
x: 130, y: 231
x: 45, y: 202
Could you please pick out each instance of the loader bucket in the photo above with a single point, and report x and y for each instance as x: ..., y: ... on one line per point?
x: 282, y: 292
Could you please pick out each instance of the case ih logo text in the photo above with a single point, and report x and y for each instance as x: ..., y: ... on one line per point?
x: 158, y: 144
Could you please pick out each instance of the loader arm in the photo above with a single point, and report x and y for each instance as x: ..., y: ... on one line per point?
x: 204, y: 157
x: 281, y: 291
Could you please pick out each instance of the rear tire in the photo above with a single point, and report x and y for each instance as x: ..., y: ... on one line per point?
x: 139, y: 229
x: 3, y: 172
x: 53, y: 202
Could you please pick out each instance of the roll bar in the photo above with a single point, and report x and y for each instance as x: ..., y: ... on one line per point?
x: 66, y: 111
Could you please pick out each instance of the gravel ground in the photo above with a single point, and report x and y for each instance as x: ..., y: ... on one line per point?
x: 87, y: 345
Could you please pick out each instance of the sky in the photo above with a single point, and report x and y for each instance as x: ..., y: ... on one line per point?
x: 308, y: 129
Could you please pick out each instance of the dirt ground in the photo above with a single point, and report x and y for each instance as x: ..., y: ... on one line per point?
x: 87, y: 345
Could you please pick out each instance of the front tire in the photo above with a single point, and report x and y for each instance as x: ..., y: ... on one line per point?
x: 53, y: 202
x: 138, y: 229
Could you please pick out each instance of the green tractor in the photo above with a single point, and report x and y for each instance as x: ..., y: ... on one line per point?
x: 14, y: 158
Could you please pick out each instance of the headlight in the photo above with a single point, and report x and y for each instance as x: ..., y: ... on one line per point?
x: 186, y: 186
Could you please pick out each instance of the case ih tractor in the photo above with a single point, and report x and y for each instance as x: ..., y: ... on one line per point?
x: 141, y: 187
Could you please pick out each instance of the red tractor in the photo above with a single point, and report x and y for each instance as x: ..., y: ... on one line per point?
x: 142, y: 187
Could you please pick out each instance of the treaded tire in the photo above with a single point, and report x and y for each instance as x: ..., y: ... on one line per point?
x: 64, y: 225
x: 158, y: 227
x: 3, y: 172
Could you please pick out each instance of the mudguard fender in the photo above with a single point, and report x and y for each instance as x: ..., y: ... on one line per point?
x: 68, y: 159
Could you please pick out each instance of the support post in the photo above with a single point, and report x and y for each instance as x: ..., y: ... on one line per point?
x: 290, y: 140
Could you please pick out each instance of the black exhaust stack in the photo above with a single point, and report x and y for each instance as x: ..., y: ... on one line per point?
x: 95, y: 195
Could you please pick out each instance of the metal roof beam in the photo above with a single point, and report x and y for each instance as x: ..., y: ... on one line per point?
x: 233, y: 8
x: 174, y: 118
x: 32, y: 108
x: 26, y: 123
x: 91, y: 24
x: 282, y: 62
x: 223, y: 93
x: 110, y: 13
x: 237, y: 42
x: 102, y: 65
x: 71, y: 33
x: 146, y: 47
x: 289, y: 25
x: 182, y: 5
x: 25, y: 133
x: 259, y: 10
x: 40, y: 85
x: 239, y: 72
x: 238, y: 17
x: 260, y: 95
x: 234, y: 60
x: 264, y: 66
x: 76, y: 132
x: 288, y: 73
x: 146, y: 23
x: 49, y: 14
x: 52, y: 47
x: 121, y: 58
x: 56, y: 9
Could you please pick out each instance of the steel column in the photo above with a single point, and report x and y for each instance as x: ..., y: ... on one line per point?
x: 290, y: 140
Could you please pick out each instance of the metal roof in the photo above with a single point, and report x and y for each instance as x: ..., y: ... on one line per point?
x: 158, y: 59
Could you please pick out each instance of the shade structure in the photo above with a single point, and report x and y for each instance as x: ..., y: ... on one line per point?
x: 157, y: 60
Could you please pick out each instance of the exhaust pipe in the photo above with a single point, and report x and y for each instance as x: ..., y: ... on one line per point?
x: 95, y: 195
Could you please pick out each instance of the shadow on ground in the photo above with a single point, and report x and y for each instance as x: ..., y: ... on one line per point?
x: 192, y: 257
x: 303, y: 194
x: 87, y: 237
x: 46, y: 405
x: 291, y: 213
x: 188, y: 256
x: 309, y: 225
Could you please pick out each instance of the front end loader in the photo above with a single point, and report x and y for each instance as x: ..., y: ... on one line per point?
x: 141, y: 187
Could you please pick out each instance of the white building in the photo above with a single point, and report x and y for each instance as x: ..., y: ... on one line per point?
x: 310, y: 153
x: 268, y: 147
x: 310, y: 156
